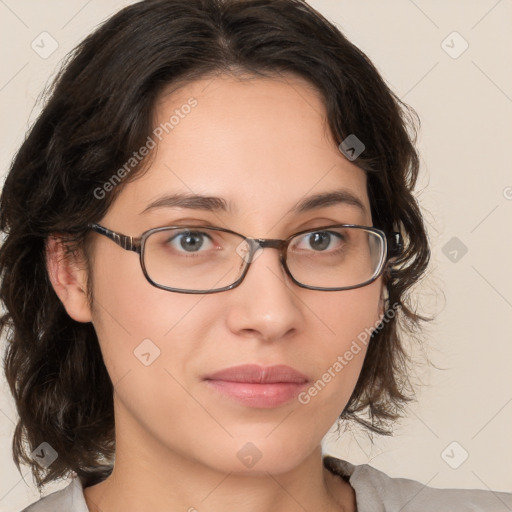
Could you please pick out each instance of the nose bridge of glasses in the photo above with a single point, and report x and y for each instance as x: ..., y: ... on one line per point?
x: 270, y: 242
x: 251, y: 248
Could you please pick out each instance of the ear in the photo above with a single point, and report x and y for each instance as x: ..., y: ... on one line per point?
x: 383, y: 301
x: 68, y: 275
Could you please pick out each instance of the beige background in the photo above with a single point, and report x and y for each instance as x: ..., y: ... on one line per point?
x: 465, y: 104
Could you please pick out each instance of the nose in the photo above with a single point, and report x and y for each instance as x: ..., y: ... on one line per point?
x: 265, y: 305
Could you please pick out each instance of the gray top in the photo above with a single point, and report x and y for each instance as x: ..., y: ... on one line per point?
x: 375, y: 492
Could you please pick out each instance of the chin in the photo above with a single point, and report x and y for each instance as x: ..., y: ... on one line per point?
x: 257, y: 455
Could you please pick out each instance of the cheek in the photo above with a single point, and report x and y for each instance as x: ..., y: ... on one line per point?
x: 348, y: 319
x: 149, y: 339
x: 136, y: 323
x: 348, y: 313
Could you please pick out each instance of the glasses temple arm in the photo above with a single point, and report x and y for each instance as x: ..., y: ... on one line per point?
x: 395, y: 244
x: 128, y: 243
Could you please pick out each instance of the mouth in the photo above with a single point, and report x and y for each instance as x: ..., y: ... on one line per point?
x: 257, y: 386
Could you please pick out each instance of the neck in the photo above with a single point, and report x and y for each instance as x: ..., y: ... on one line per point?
x: 150, y: 476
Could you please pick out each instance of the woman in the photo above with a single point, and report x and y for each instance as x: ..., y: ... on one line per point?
x: 210, y: 238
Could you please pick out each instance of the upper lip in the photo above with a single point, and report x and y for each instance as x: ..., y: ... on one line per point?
x: 259, y: 374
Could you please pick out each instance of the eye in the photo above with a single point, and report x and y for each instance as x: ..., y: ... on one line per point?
x: 319, y: 241
x: 190, y: 241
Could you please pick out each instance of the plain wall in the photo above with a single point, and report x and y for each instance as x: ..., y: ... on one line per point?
x: 464, y: 101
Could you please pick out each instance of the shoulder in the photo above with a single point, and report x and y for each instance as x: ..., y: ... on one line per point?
x: 69, y: 499
x: 379, y: 492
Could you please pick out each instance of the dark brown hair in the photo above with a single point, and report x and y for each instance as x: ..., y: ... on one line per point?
x: 99, y: 111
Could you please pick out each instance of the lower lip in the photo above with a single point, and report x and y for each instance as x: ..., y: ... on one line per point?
x: 263, y: 396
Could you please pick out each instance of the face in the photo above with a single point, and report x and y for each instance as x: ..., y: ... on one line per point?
x: 262, y: 145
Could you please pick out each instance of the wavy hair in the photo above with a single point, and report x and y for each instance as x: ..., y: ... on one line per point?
x: 98, y: 111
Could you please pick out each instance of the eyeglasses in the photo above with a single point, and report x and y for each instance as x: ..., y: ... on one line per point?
x: 206, y: 259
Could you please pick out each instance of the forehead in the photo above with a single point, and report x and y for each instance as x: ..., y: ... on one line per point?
x: 263, y: 144
x: 239, y: 116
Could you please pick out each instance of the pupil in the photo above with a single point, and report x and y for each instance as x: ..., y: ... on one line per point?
x: 320, y: 241
x: 190, y: 242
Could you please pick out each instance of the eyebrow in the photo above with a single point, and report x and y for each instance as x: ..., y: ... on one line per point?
x: 218, y: 204
x: 190, y: 201
x: 325, y: 199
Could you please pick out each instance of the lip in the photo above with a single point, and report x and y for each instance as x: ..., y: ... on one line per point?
x: 256, y: 386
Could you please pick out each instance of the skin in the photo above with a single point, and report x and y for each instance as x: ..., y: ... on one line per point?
x: 263, y: 145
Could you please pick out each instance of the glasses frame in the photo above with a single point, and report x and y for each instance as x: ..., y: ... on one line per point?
x: 392, y: 247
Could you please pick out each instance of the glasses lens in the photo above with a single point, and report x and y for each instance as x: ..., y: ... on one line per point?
x: 204, y: 259
x: 194, y: 259
x: 336, y: 257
